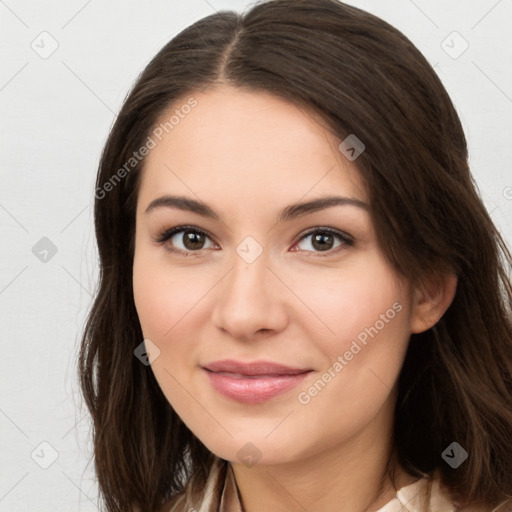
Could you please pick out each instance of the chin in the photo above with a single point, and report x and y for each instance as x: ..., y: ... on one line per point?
x: 256, y: 449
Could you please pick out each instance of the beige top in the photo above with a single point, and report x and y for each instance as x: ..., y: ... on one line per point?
x: 220, y: 494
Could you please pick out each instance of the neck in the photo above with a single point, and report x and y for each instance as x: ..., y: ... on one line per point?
x: 360, y: 474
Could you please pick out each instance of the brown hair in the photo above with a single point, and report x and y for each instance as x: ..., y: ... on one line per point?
x: 363, y: 77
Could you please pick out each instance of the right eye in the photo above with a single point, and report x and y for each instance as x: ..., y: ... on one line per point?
x: 191, y: 238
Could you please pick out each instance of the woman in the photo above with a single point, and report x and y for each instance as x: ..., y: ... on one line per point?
x: 303, y: 303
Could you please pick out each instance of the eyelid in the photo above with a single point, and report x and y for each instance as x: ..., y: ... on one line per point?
x: 326, y: 229
x: 164, y: 235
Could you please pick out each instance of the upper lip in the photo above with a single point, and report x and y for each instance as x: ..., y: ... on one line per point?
x: 253, y: 368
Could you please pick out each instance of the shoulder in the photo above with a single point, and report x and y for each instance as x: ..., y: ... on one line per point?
x: 430, y: 494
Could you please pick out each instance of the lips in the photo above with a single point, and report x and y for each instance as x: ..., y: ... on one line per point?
x: 255, y: 382
x: 253, y: 368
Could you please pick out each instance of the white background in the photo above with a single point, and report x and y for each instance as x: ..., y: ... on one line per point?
x: 55, y: 116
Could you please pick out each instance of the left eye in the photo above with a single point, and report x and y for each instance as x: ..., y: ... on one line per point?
x: 323, y: 240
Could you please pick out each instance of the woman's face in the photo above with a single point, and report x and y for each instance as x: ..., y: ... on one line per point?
x: 303, y: 287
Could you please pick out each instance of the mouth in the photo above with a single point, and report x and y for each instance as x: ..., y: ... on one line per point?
x: 253, y: 383
x: 255, y: 368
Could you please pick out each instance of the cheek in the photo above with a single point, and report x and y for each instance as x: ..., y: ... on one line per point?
x: 347, y: 301
x: 164, y: 297
x: 365, y: 314
x: 150, y: 301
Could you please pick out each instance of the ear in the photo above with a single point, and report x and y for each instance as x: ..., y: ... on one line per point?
x: 431, y: 300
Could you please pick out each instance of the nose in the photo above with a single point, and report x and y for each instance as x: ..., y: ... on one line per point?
x: 250, y: 300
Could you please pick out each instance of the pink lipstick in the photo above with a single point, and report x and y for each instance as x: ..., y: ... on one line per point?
x: 254, y: 382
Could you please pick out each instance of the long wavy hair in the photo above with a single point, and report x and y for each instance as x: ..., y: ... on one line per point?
x: 363, y: 77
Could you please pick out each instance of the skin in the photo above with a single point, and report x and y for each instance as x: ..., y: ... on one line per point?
x: 248, y: 155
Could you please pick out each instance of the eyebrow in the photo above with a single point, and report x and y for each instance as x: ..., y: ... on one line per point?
x: 292, y: 211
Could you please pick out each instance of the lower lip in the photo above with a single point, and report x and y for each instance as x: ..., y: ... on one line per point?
x: 254, y: 390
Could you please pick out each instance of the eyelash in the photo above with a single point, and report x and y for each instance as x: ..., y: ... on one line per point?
x: 166, y: 234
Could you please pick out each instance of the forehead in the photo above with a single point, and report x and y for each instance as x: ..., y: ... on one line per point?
x: 247, y: 146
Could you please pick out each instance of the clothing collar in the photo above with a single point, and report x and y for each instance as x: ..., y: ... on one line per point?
x: 221, y: 494
x: 422, y: 495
